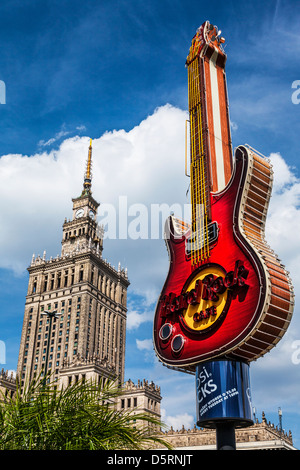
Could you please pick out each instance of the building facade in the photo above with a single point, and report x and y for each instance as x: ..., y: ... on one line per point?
x: 75, y: 312
x: 262, y: 435
x: 143, y: 397
x: 7, y: 385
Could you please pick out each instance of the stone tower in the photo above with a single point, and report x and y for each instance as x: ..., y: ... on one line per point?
x: 75, y: 312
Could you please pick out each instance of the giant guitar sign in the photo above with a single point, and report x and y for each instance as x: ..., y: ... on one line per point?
x: 226, y: 293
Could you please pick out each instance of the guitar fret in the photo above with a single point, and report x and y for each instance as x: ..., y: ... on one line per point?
x: 198, y: 171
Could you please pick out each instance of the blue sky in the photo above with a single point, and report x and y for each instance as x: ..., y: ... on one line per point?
x: 114, y: 71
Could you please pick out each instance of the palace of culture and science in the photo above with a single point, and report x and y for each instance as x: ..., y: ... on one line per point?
x: 87, y: 333
x: 74, y: 323
x: 74, y: 326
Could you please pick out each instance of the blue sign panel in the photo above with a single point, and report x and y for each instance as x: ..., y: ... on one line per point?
x: 223, y: 393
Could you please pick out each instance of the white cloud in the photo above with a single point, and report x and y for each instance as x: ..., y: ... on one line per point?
x: 233, y: 126
x: 283, y: 221
x: 135, y: 319
x: 59, y: 135
x: 35, y: 193
x: 144, y: 344
x: 178, y: 421
x: 283, y: 174
x: 144, y: 165
x: 81, y: 128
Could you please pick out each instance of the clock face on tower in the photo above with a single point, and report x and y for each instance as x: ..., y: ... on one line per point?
x: 91, y: 214
x: 79, y: 213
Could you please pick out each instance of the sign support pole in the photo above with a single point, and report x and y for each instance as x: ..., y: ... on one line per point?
x: 225, y: 434
x: 223, y: 399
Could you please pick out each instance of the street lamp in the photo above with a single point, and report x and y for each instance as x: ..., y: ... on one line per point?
x: 50, y: 314
x: 280, y: 420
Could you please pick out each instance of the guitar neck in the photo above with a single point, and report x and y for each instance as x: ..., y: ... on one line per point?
x: 210, y: 141
x: 199, y: 171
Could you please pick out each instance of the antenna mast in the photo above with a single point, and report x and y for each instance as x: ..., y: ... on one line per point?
x: 87, y: 184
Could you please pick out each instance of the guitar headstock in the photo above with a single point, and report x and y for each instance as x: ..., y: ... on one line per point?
x: 207, y: 36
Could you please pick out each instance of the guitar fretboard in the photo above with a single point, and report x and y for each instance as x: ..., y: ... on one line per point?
x: 199, y: 164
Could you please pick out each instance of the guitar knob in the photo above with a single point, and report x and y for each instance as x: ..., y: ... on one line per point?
x: 177, y: 343
x: 165, y: 331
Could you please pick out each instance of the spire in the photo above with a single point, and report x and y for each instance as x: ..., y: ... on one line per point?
x: 87, y: 183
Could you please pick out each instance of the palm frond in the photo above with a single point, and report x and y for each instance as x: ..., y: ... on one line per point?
x: 81, y: 416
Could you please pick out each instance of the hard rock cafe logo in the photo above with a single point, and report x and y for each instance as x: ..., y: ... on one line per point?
x: 206, y: 296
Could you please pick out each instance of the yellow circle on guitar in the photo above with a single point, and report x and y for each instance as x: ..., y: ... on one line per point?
x: 205, y: 311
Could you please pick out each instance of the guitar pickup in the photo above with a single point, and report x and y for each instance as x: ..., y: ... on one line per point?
x: 199, y: 239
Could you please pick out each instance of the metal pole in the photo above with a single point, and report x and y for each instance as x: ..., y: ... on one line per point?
x: 280, y: 420
x: 225, y: 434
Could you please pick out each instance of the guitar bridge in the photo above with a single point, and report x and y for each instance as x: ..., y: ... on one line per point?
x: 199, y: 239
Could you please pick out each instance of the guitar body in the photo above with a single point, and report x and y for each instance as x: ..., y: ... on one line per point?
x: 238, y: 301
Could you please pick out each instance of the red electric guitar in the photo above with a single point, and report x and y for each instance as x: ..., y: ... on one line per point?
x: 226, y: 293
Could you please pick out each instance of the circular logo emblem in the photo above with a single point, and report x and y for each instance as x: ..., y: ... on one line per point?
x: 206, y: 299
